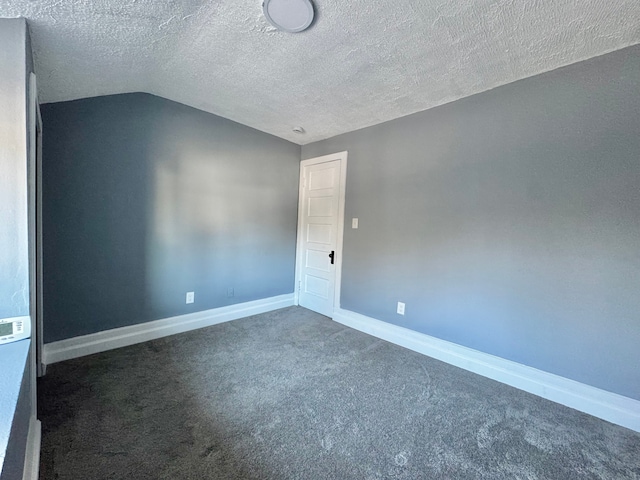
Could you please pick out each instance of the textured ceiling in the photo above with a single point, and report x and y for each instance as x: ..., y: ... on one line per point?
x: 360, y: 63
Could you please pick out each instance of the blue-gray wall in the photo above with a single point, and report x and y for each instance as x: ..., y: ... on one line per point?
x: 15, y: 414
x: 146, y: 199
x: 509, y: 221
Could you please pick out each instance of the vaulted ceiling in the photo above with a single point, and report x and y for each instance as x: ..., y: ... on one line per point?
x: 360, y: 63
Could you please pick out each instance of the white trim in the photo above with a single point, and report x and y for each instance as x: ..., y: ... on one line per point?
x: 31, y: 468
x: 32, y: 170
x: 600, y: 403
x: 36, y: 159
x: 124, y: 336
x: 342, y: 156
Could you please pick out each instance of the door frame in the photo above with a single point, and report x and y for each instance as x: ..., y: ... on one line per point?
x: 35, y: 225
x: 342, y: 156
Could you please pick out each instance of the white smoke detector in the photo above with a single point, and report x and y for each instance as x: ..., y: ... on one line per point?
x: 289, y: 15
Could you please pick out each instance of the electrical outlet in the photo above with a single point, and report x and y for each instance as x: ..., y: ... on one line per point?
x: 230, y: 292
x: 190, y: 297
x: 400, y: 309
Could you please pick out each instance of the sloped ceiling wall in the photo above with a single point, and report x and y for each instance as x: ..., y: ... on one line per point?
x: 361, y: 62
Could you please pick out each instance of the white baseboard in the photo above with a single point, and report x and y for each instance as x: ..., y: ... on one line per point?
x: 31, y: 469
x: 594, y: 401
x: 124, y: 336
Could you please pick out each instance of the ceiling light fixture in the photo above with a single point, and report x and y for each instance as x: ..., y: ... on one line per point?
x: 288, y: 15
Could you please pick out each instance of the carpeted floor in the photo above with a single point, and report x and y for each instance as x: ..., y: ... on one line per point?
x: 292, y: 395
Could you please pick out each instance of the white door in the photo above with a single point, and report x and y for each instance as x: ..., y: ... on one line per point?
x: 320, y: 223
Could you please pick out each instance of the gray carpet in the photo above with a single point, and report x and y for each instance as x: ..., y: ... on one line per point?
x: 292, y: 395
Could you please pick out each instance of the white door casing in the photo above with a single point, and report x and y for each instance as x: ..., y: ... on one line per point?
x: 35, y: 229
x: 320, y: 231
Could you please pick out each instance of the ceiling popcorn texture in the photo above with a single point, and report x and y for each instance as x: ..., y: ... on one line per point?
x: 360, y: 63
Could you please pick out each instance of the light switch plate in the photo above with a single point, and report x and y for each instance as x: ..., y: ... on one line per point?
x: 354, y: 223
